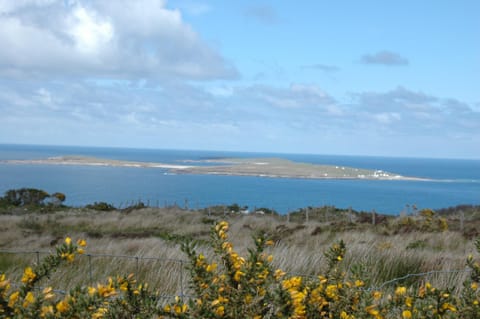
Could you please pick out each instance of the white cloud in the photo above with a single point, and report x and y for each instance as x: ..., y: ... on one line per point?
x: 297, y: 96
x: 387, y: 118
x: 307, y: 89
x: 122, y: 38
x: 88, y: 32
x: 415, y: 113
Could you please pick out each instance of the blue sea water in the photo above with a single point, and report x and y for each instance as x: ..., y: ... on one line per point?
x: 453, y: 181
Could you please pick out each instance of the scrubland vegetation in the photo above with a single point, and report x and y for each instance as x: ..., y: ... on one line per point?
x: 315, y: 263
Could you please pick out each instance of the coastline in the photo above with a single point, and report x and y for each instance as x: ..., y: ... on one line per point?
x: 259, y: 167
x: 92, y: 161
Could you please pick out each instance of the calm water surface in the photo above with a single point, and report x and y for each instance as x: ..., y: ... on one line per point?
x: 455, y: 181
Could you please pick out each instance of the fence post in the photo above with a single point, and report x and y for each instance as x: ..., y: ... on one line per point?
x: 462, y: 221
x: 136, y: 266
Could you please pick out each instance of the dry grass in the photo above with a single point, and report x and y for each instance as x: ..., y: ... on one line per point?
x: 380, y: 252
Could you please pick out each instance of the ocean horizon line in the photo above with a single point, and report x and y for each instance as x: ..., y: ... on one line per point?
x: 253, y: 152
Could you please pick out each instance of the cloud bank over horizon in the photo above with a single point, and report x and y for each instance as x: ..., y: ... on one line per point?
x: 159, y: 74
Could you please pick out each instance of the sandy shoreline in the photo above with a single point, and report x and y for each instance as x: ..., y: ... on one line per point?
x: 92, y: 161
x: 260, y: 167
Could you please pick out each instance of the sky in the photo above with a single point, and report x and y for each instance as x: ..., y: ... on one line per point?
x: 380, y: 78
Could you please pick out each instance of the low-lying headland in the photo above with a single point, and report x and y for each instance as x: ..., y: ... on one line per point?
x: 262, y: 167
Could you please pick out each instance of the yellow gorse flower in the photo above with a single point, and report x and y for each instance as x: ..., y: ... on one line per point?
x: 179, y: 309
x: 29, y: 299
x: 46, y: 310
x: 28, y: 275
x: 100, y: 313
x: 211, y: 267
x: 108, y: 290
x: 81, y: 243
x: 449, y: 306
x: 238, y: 275
x: 62, y: 306
x: 68, y: 257
x: 220, y: 311
x: 372, y: 310
x: 278, y: 274
x: 4, y: 283
x: 408, y: 301
x: 406, y: 314
x: 13, y: 299
x: 400, y: 291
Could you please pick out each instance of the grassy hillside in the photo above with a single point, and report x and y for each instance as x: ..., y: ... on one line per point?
x: 313, y: 263
x: 391, y: 248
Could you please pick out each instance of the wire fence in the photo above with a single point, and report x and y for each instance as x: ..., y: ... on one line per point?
x: 93, y: 270
x: 90, y: 262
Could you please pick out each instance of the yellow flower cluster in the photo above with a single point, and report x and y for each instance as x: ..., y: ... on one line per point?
x: 28, y: 275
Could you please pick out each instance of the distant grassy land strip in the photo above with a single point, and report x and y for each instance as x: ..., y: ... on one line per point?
x: 262, y: 167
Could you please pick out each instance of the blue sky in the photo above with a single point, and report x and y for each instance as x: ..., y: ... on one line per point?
x: 327, y: 77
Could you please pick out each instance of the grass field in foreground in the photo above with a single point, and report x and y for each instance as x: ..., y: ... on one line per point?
x: 390, y: 249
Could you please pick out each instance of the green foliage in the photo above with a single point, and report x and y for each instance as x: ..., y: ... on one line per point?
x: 101, y: 206
x: 427, y: 221
x: 417, y: 244
x: 31, y: 199
x: 25, y: 197
x: 136, y: 206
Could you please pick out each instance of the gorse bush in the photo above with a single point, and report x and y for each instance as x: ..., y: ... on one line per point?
x: 229, y: 285
x: 101, y: 206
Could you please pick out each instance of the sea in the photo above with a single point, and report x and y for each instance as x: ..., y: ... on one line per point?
x: 451, y: 182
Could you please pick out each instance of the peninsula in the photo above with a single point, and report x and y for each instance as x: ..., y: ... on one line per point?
x: 262, y: 167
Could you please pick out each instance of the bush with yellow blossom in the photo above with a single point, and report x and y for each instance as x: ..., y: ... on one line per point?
x: 229, y: 285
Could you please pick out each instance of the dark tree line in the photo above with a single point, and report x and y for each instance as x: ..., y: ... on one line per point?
x: 31, y: 197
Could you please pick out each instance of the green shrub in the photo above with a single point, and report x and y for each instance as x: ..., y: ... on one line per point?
x: 101, y: 206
